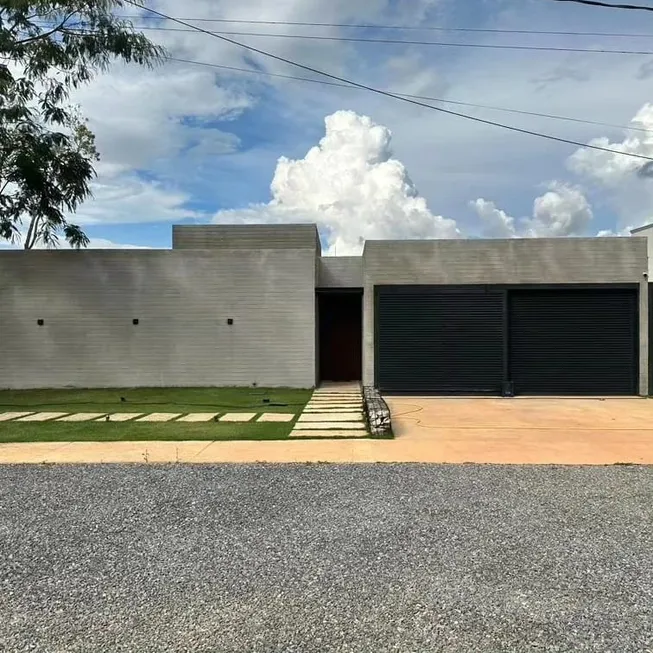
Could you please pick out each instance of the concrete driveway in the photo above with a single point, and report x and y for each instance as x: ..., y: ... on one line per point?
x: 527, y: 430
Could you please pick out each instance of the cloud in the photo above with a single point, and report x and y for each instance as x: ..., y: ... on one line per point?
x: 352, y: 187
x: 104, y: 243
x: 163, y: 105
x: 624, y: 181
x: 562, y: 211
x: 611, y: 169
x: 574, y: 70
x: 96, y: 243
x: 605, y: 233
x: 124, y: 197
x: 495, y: 222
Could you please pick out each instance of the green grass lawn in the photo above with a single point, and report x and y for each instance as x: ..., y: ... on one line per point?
x: 150, y: 400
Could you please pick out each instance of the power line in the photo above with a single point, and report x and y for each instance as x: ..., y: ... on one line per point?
x: 377, y: 91
x: 426, y: 28
x: 416, y: 97
x: 597, y: 3
x: 357, y: 39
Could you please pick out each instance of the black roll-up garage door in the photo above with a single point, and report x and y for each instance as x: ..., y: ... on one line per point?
x: 573, y: 342
x: 433, y: 341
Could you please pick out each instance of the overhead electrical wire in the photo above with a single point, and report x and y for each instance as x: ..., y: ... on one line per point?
x: 425, y: 28
x: 609, y: 5
x: 378, y: 91
x: 357, y: 39
x: 416, y: 97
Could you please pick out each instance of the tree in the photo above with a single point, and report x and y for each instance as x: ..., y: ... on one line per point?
x: 47, y: 152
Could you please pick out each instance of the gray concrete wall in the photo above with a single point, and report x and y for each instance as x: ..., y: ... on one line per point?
x: 647, y: 233
x: 525, y: 261
x: 183, y: 300
x: 247, y: 236
x: 340, y: 272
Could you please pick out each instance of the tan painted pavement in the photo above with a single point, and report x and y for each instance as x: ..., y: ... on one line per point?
x: 429, y: 430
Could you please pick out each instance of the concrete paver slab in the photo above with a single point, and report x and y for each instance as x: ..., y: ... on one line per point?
x: 81, y: 417
x: 347, y: 404
x: 123, y: 417
x: 238, y: 417
x: 276, y: 417
x: 158, y: 417
x: 324, y: 424
x: 327, y: 417
x: 331, y: 433
x: 330, y: 395
x: 197, y: 417
x: 5, y: 417
x: 335, y: 400
x: 41, y: 417
x: 333, y: 409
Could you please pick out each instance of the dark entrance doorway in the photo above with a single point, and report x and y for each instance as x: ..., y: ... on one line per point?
x: 340, y: 334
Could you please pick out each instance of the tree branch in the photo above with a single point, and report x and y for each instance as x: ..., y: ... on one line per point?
x: 31, y: 232
x: 46, y: 35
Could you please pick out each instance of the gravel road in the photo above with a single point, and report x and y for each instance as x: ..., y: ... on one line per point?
x: 324, y: 558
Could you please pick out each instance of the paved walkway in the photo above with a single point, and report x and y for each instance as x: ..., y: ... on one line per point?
x: 335, y: 410
x: 503, y: 431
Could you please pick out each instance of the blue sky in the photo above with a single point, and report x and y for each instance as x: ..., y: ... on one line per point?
x: 186, y: 143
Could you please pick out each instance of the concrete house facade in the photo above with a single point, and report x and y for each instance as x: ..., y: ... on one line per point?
x: 238, y: 305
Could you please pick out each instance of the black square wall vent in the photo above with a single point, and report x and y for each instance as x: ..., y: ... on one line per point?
x: 230, y: 321
x: 40, y: 322
x: 135, y: 321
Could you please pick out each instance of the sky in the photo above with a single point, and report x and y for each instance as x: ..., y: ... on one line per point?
x: 193, y: 144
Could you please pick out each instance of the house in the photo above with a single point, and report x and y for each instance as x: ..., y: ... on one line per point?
x: 243, y: 305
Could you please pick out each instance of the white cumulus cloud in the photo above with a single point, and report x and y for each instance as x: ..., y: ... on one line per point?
x: 612, y: 169
x: 625, y: 182
x: 562, y: 211
x: 352, y: 187
x: 496, y: 223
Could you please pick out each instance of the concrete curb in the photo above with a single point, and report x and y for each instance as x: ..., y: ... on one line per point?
x: 377, y: 413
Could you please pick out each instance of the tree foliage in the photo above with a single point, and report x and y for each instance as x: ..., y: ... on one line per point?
x: 47, y: 152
